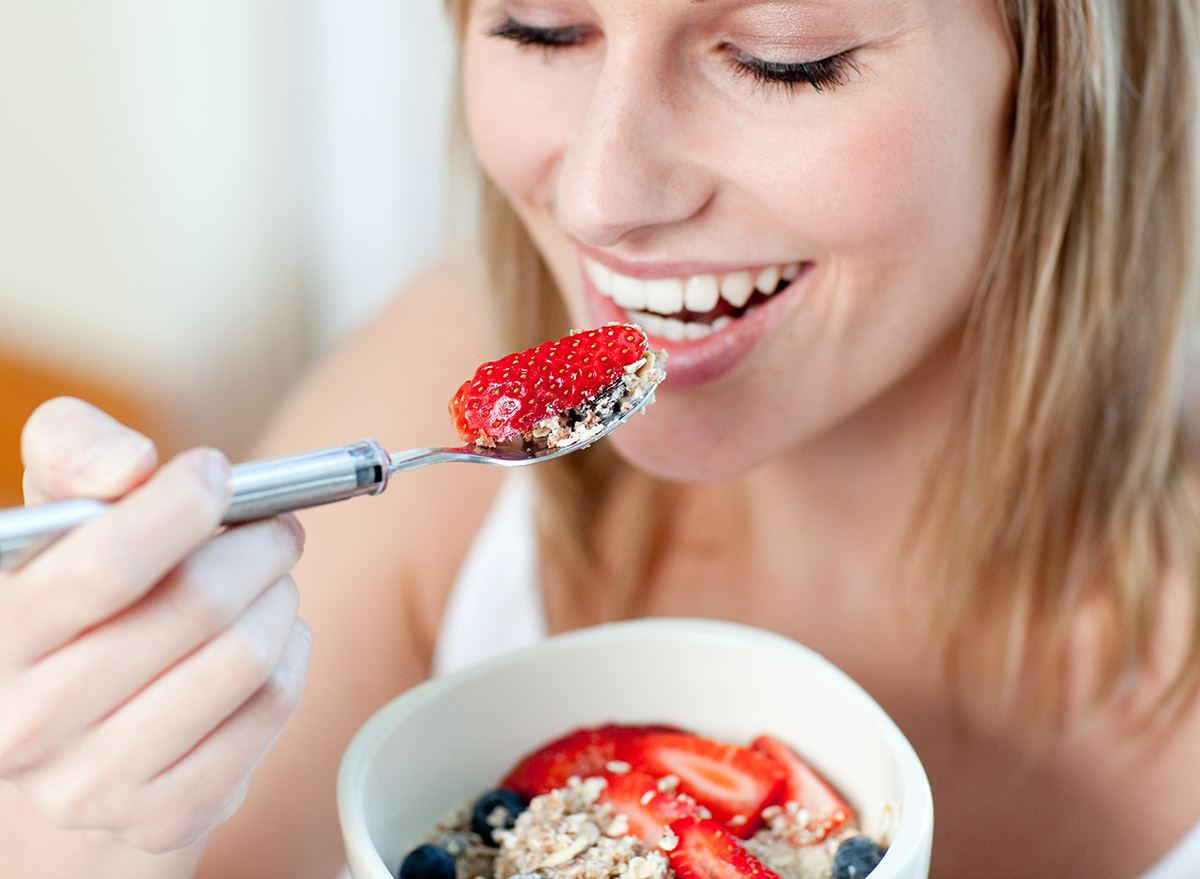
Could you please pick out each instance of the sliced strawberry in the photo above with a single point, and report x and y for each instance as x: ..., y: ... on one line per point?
x: 584, y: 752
x: 649, y: 810
x: 508, y: 397
x: 706, y: 850
x: 827, y: 810
x: 735, y: 784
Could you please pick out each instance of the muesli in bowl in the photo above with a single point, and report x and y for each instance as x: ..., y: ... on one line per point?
x: 434, y: 750
x: 653, y: 802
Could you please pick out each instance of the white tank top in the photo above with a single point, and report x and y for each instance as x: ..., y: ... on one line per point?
x: 496, y: 605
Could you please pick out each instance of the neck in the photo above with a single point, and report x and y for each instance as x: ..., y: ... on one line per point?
x: 850, y: 495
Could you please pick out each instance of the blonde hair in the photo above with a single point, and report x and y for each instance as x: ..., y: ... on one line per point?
x: 1074, y: 480
x: 1070, y: 481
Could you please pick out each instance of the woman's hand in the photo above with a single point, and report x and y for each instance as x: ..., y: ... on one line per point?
x: 147, y: 661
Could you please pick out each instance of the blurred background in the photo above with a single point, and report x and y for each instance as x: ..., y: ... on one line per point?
x: 198, y: 197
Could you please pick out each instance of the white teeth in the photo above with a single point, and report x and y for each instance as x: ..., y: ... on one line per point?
x: 655, y: 299
x: 736, y: 288
x: 653, y: 324
x: 599, y: 274
x: 701, y: 293
x: 767, y: 280
x: 675, y: 330
x: 665, y: 295
x: 629, y: 292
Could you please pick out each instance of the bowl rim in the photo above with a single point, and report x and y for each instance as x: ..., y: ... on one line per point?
x: 913, y: 831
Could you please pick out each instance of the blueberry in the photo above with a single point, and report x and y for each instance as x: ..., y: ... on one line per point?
x: 856, y: 857
x: 428, y: 861
x: 495, y: 810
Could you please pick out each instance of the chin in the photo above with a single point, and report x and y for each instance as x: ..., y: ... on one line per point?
x: 670, y: 445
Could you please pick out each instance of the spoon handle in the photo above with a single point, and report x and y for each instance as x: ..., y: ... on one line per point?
x: 309, y: 479
x: 260, y: 489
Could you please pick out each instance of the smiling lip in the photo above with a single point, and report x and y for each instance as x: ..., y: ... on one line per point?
x: 707, y: 322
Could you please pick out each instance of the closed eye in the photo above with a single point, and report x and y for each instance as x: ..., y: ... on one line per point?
x: 826, y: 73
x: 544, y: 37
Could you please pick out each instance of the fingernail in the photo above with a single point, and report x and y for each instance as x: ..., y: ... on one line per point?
x: 290, y: 521
x: 215, y: 470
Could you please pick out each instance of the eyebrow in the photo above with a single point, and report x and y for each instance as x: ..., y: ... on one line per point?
x: 826, y: 3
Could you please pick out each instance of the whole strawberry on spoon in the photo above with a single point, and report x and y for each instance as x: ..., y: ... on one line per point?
x: 542, y: 403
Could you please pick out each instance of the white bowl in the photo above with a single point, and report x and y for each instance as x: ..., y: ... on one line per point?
x: 444, y: 742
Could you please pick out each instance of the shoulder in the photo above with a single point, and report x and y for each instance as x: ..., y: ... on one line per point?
x: 395, y: 373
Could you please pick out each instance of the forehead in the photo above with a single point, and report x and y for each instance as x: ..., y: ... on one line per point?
x: 651, y: 6
x: 791, y: 11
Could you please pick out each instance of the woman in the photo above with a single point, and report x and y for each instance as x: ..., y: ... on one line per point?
x: 944, y: 443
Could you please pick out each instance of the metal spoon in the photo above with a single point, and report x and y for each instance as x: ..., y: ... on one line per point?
x: 279, y: 485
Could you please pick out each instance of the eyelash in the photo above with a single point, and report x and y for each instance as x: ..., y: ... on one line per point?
x: 827, y: 73
x: 548, y: 38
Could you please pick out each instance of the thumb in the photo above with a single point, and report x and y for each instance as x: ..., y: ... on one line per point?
x: 72, y: 449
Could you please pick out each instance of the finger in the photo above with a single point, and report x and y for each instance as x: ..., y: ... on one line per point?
x: 107, y: 564
x: 215, y: 775
x: 62, y: 694
x: 197, y: 791
x: 189, y: 701
x: 72, y: 449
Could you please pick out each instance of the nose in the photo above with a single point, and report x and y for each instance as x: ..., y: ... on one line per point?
x: 627, y: 168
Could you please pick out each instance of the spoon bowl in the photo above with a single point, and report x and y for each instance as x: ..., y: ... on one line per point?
x: 516, y: 454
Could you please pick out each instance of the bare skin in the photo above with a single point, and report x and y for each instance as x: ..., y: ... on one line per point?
x: 815, y: 438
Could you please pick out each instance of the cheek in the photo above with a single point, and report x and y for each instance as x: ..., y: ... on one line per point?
x: 890, y: 181
x: 919, y: 167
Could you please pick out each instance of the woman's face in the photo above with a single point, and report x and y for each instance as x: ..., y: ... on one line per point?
x: 795, y: 198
